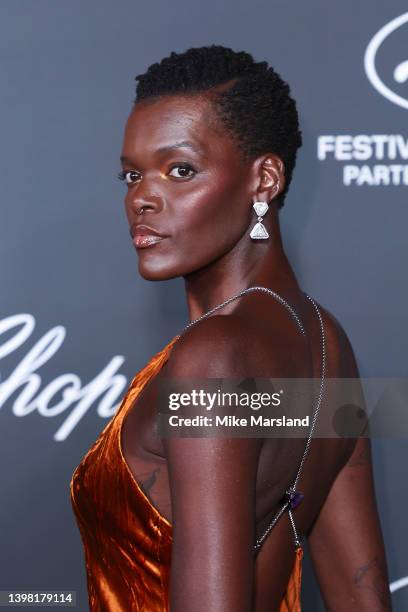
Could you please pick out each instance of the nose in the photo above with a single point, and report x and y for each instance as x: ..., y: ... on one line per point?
x: 139, y: 203
x: 139, y: 210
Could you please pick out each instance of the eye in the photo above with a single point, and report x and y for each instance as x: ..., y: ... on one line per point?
x: 130, y: 176
x: 184, y: 171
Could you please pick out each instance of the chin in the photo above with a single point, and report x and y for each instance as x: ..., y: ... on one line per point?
x: 157, y: 273
x: 163, y: 268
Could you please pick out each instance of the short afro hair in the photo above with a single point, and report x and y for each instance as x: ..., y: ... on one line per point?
x: 256, y: 108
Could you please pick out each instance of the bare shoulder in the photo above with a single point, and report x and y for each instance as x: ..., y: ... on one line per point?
x: 225, y: 345
x: 340, y: 349
x: 342, y: 364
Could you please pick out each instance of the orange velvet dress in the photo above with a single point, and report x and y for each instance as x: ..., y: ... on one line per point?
x: 126, y: 541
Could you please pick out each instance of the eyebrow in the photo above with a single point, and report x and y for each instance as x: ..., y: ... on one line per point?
x: 176, y: 145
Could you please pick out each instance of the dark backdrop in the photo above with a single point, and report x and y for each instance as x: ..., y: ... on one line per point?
x: 73, y: 311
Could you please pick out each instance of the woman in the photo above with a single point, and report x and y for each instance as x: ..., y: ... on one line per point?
x: 217, y: 523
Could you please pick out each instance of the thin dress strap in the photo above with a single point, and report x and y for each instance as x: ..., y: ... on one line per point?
x: 292, y: 496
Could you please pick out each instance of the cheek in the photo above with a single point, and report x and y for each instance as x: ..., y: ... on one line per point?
x: 215, y: 211
x: 204, y: 221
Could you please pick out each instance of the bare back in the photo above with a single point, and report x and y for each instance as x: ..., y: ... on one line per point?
x: 279, y: 458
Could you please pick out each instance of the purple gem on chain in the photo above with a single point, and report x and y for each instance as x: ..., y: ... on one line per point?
x: 294, y: 498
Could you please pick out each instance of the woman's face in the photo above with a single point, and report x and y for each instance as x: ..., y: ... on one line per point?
x: 188, y: 175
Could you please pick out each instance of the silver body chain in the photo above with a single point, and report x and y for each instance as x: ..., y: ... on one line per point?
x: 292, y: 488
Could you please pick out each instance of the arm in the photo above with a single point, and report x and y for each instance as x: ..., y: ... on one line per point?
x: 212, y: 484
x: 345, y: 541
x: 213, y: 505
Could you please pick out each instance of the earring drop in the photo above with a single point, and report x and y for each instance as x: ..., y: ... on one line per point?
x: 259, y: 231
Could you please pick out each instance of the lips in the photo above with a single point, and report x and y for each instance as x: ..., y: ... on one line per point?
x: 145, y: 236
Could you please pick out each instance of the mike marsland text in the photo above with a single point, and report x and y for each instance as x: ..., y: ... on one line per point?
x: 233, y: 421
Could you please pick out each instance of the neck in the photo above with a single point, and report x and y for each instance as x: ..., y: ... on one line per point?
x: 249, y: 263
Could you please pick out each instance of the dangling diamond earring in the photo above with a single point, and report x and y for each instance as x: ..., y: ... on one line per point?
x: 259, y: 230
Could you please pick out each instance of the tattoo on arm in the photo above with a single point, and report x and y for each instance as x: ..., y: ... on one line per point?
x: 372, y: 576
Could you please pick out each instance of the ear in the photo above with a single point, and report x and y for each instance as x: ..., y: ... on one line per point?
x: 271, y: 177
